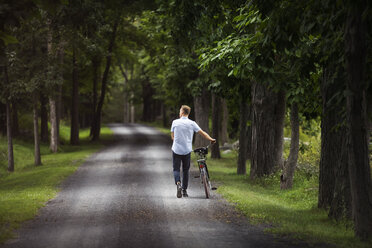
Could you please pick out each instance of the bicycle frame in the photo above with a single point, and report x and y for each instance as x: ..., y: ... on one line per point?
x: 202, y: 164
x: 203, y: 169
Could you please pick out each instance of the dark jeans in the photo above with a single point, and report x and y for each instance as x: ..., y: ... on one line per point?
x: 185, y: 159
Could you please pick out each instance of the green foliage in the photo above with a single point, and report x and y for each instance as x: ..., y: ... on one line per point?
x: 310, y: 146
x: 8, y: 39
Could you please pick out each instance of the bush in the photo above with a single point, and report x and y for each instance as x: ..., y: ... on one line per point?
x: 310, y: 147
x: 309, y: 158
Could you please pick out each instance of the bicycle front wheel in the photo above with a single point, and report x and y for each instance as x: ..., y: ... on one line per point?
x: 205, y: 183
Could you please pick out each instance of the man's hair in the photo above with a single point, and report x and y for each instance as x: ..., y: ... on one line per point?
x: 186, y: 109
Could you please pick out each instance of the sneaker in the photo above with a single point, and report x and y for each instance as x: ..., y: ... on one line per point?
x: 179, y: 189
x: 184, y: 193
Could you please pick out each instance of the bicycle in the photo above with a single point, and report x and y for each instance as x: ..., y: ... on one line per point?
x: 202, y: 152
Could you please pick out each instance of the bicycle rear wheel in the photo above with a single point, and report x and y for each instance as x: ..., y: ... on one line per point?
x: 205, y: 183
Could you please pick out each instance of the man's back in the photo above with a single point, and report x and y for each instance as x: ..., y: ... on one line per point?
x: 183, y: 130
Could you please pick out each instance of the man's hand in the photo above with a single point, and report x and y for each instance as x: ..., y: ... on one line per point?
x: 213, y: 141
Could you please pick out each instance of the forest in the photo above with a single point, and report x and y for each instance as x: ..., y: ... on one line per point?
x: 263, y: 74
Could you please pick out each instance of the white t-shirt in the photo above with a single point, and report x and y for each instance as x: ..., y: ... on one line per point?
x: 183, y: 129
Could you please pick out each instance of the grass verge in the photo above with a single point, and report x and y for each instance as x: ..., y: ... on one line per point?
x: 291, y: 212
x: 27, y: 189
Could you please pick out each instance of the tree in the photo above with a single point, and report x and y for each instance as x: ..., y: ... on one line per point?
x: 216, y: 119
x: 202, y: 108
x: 286, y: 179
x: 224, y: 136
x: 80, y: 19
x: 74, y: 136
x: 263, y: 130
x: 332, y: 138
x: 96, y: 126
x: 280, y: 110
x: 9, y: 127
x: 8, y: 20
x: 54, y: 79
x: 2, y: 119
x: 244, y: 142
x: 15, y: 125
x: 357, y: 135
x: 43, y: 117
x: 27, y: 68
x: 116, y: 15
x: 238, y: 50
x: 36, y: 131
x: 52, y: 97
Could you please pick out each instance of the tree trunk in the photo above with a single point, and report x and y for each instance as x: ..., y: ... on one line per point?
x: 132, y: 107
x: 202, y: 107
x: 216, y: 108
x: 36, y: 132
x: 52, y: 100
x: 126, y: 110
x: 369, y: 116
x: 96, y: 127
x: 9, y: 126
x: 357, y: 144
x: 243, y: 141
x: 43, y: 118
x: 164, y: 115
x: 59, y: 102
x: 74, y: 137
x: 334, y: 185
x: 132, y: 112
x: 15, y: 125
x: 148, y: 101
x: 224, y: 122
x: 341, y: 200
x: 95, y: 66
x: 249, y: 133
x: 9, y: 134
x: 330, y: 146
x: 263, y: 130
x: 53, y: 125
x: 59, y: 110
x: 286, y: 179
x: 3, y: 119
x: 279, y: 129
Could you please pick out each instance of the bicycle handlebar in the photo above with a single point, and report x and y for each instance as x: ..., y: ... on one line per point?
x: 203, y: 150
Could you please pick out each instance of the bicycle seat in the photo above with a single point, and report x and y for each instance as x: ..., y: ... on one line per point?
x: 201, y: 150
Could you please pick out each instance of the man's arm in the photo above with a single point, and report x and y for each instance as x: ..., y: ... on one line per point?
x: 172, y: 135
x: 206, y: 136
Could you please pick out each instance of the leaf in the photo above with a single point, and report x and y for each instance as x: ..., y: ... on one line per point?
x: 298, y: 53
x: 8, y: 39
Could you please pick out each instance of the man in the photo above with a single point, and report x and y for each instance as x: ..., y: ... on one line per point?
x: 182, y: 132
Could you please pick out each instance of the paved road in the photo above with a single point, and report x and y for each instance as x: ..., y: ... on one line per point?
x: 124, y: 196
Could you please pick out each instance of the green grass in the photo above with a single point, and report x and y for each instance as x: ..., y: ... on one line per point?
x: 291, y: 212
x: 27, y: 189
